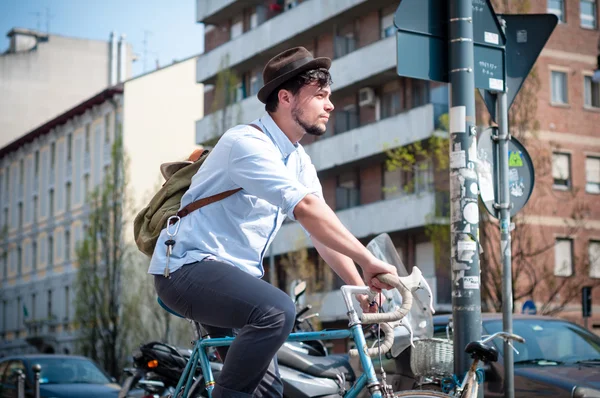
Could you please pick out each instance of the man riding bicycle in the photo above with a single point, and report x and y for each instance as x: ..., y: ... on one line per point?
x: 214, y: 270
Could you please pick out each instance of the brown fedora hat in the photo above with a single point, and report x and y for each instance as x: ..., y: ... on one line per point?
x: 286, y: 65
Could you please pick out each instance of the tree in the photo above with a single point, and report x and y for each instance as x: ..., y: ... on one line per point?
x: 225, y: 100
x: 100, y: 256
x: 533, y: 274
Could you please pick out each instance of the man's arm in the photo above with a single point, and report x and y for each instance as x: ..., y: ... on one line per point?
x: 342, y: 265
x: 324, y: 225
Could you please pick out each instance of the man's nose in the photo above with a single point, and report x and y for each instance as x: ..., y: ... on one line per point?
x: 329, y: 106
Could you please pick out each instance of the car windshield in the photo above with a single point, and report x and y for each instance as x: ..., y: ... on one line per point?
x: 549, y: 341
x: 70, y: 370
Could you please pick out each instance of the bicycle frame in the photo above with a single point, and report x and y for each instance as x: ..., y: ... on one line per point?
x: 368, y: 378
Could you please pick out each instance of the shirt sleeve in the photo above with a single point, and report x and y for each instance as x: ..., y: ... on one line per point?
x: 255, y: 165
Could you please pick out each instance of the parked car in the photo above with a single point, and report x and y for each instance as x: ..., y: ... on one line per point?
x: 558, y: 358
x: 61, y: 376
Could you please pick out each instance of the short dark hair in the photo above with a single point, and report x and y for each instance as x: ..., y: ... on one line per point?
x: 321, y: 76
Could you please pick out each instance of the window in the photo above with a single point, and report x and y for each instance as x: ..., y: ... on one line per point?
x: 19, y: 261
x: 561, y: 171
x: 51, y: 202
x: 346, y: 119
x: 68, y: 196
x: 592, y: 175
x: 20, y: 214
x: 387, y: 26
x: 424, y: 176
x: 237, y: 29
x: 49, y: 303
x: 107, y: 128
x: 253, y: 20
x: 563, y: 257
x: 587, y: 13
x: 347, y: 193
x: 67, y: 245
x: 22, y: 173
x: 559, y: 87
x: 420, y: 92
x: 52, y: 155
x: 391, y: 104
x: 67, y: 303
x: 50, y: 252
x: 36, y: 163
x: 19, y: 313
x: 591, y: 93
x: 33, y: 305
x: 557, y: 7
x: 594, y: 254
x: 87, y: 138
x: 256, y: 83
x: 86, y: 184
x: 344, y: 44
x: 5, y: 265
x: 34, y: 251
x: 35, y: 208
x: 69, y: 147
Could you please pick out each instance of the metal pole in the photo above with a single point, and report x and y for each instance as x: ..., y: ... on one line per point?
x: 505, y: 240
x: 466, y: 295
x: 36, y: 380
x: 20, y: 384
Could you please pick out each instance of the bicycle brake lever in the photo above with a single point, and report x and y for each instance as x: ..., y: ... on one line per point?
x: 416, y: 281
x: 513, y: 347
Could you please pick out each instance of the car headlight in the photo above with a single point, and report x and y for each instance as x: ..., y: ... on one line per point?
x: 586, y: 392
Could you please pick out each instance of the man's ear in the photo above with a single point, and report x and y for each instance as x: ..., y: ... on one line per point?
x: 285, y: 97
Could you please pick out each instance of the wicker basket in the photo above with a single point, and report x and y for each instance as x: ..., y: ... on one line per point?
x: 432, y: 358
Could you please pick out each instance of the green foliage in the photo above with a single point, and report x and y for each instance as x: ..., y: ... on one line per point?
x: 225, y: 100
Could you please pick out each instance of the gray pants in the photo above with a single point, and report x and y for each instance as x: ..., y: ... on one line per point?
x: 221, y: 298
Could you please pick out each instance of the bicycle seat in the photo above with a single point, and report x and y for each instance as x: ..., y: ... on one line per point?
x: 170, y: 311
x: 482, y: 351
x: 329, y: 366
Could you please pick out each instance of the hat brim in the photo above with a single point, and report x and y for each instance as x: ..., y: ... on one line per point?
x: 170, y: 168
x: 267, y: 89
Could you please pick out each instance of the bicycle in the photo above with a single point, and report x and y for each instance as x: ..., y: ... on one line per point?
x: 469, y: 386
x: 191, y: 386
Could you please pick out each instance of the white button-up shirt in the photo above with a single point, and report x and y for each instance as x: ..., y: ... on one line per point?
x: 274, y: 174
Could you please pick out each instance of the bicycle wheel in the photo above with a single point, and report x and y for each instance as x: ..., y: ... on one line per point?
x: 421, y: 394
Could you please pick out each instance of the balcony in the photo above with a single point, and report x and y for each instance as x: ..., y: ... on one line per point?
x: 213, y: 11
x: 405, y: 128
x: 346, y: 71
x: 286, y: 26
x: 384, y: 216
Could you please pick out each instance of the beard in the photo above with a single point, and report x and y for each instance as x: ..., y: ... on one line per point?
x: 312, y: 129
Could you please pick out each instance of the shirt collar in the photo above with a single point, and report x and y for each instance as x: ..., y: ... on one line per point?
x: 279, y: 138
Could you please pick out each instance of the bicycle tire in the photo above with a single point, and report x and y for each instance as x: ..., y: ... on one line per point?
x: 421, y: 394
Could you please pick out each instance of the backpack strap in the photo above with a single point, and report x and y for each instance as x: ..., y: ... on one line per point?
x: 211, y: 199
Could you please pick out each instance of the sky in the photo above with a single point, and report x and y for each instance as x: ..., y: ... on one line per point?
x: 169, y: 27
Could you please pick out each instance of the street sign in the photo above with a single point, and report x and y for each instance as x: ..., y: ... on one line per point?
x: 529, y: 308
x: 422, y: 42
x: 521, y: 177
x: 526, y: 36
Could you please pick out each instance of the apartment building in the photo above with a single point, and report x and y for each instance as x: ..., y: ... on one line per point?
x: 38, y: 66
x: 376, y: 109
x: 45, y: 176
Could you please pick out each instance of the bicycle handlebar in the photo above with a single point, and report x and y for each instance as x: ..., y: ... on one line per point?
x: 405, y: 286
x: 504, y: 336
